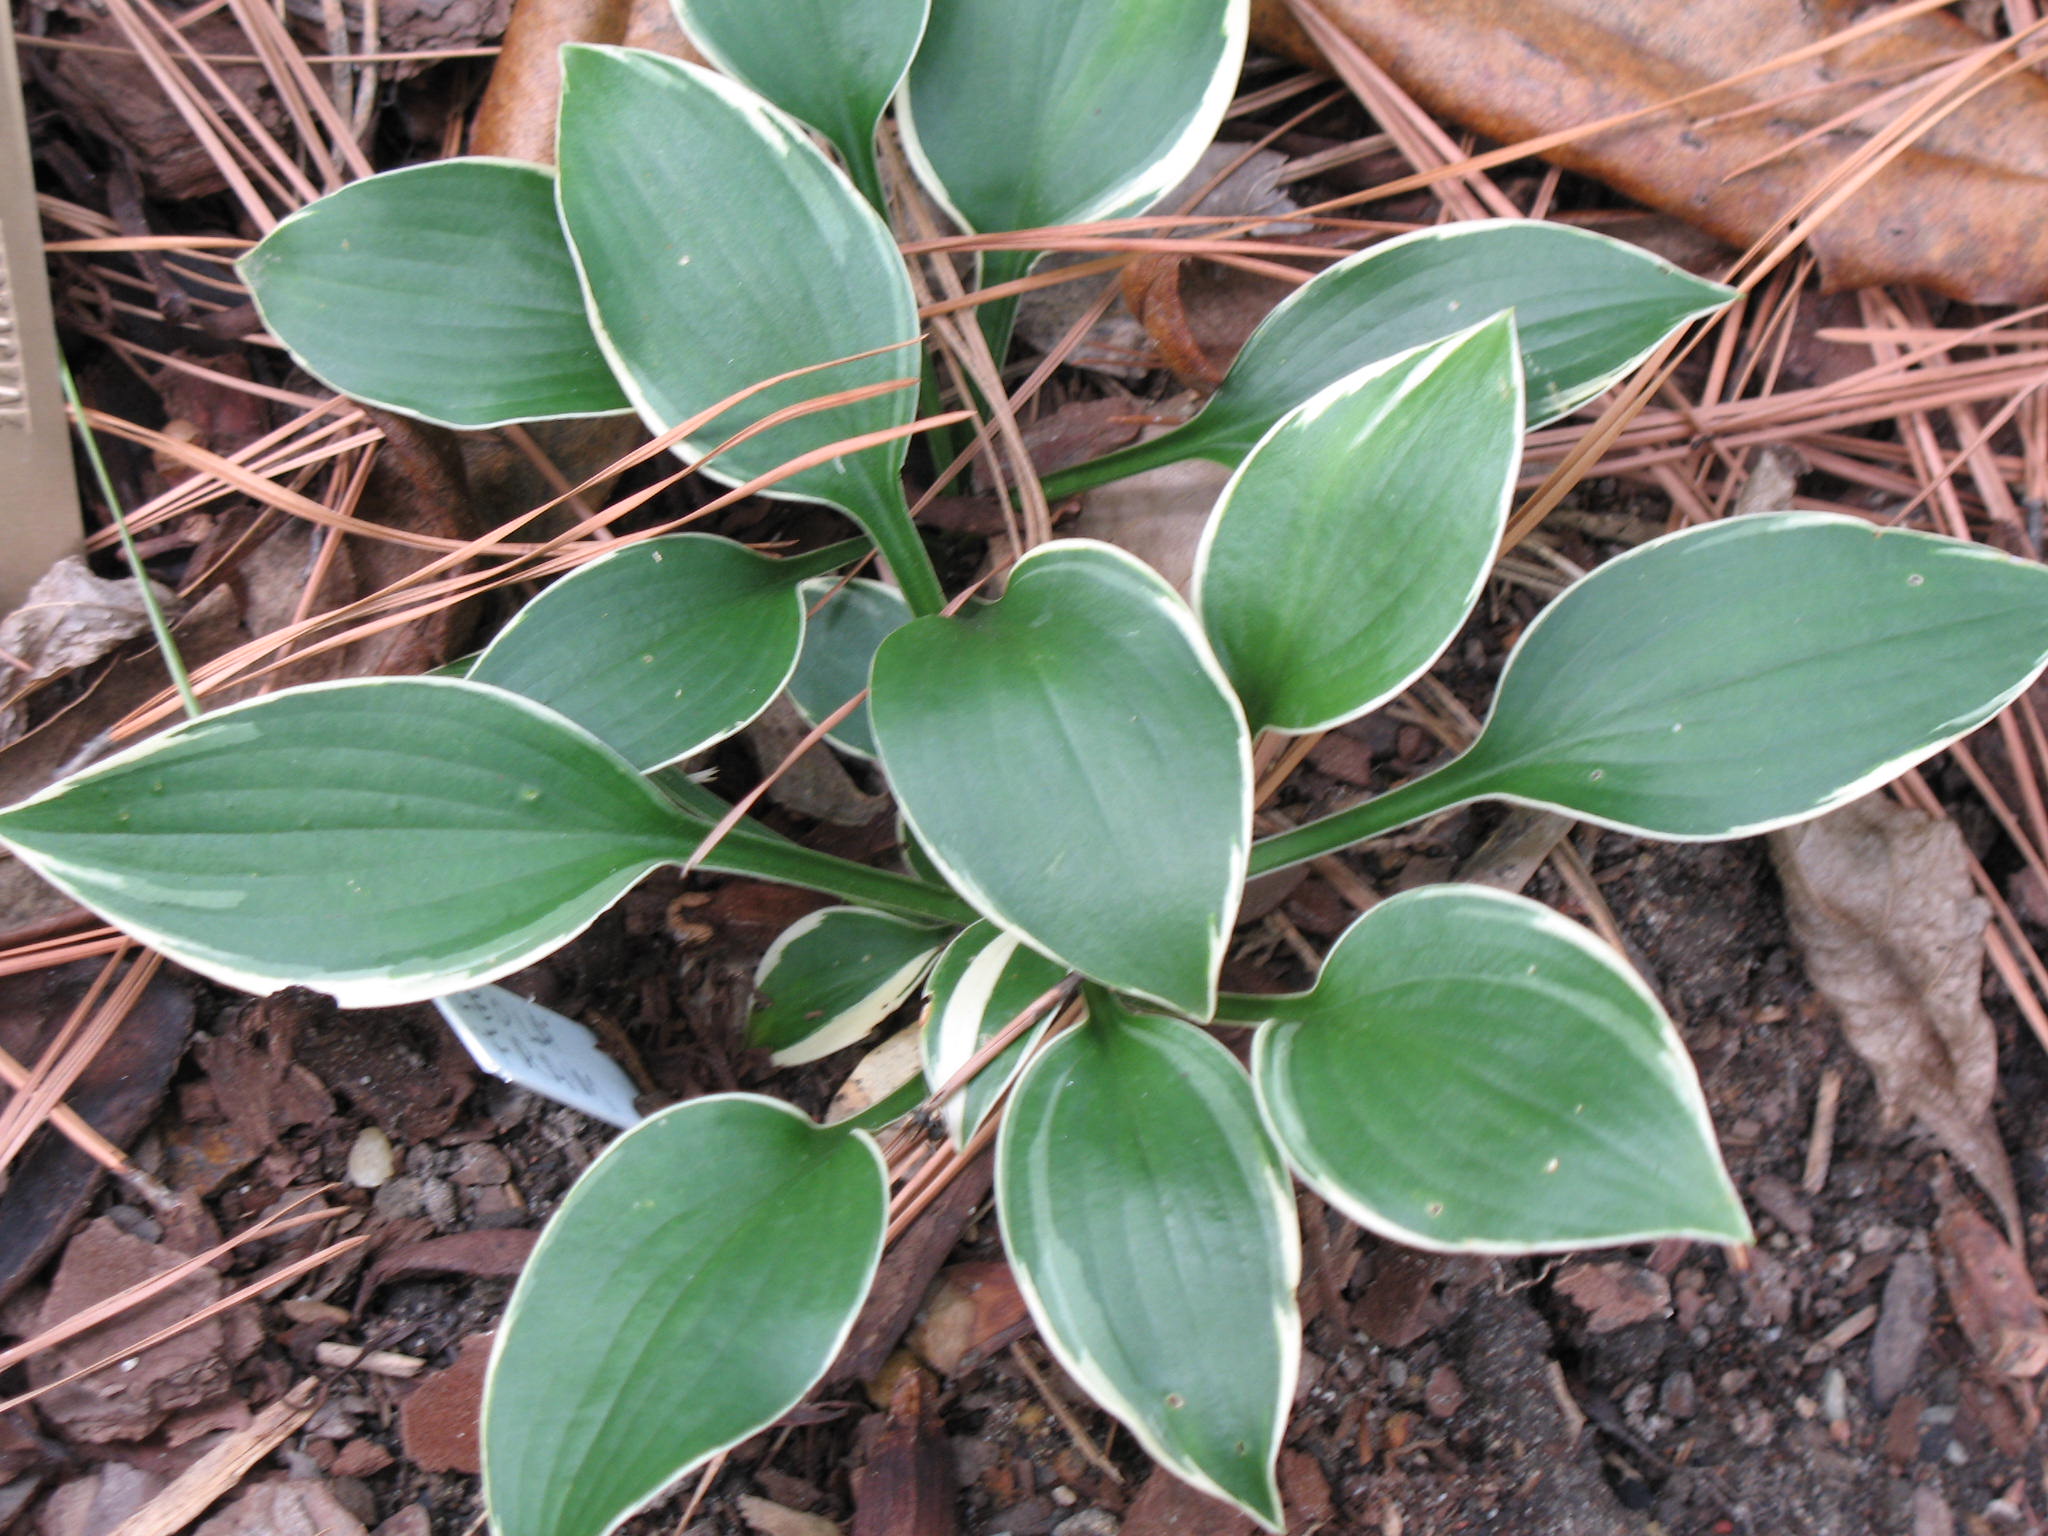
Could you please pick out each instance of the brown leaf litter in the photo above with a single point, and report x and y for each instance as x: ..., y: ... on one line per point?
x: 1963, y: 211
x: 1882, y: 909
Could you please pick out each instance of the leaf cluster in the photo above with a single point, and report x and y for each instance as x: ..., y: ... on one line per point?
x: 1072, y: 759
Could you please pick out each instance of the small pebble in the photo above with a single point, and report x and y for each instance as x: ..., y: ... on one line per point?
x: 1089, y: 1522
x: 371, y: 1162
x: 1679, y: 1396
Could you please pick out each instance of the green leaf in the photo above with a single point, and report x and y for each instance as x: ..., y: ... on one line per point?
x: 696, y: 1282
x: 1349, y: 547
x: 838, y: 79
x: 839, y: 648
x: 1473, y: 1072
x: 831, y: 977
x: 1075, y: 765
x: 659, y: 649
x: 1019, y: 114
x: 983, y: 981
x: 720, y: 248
x: 1024, y: 113
x: 1587, y: 308
x: 441, y: 291
x: 1755, y: 672
x: 385, y: 841
x: 1153, y: 1234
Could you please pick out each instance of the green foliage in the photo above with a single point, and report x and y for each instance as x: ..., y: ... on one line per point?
x: 696, y: 1282
x: 1072, y: 757
x: 361, y: 286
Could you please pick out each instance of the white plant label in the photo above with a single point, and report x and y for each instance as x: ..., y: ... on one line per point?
x: 541, y: 1050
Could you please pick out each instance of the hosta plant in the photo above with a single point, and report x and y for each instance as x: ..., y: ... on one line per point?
x: 1071, y: 758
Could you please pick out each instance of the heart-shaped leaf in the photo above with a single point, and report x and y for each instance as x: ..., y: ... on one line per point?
x: 719, y: 248
x: 1152, y: 1230
x: 384, y: 840
x: 1751, y: 673
x: 659, y: 649
x: 441, y: 291
x: 1019, y: 114
x: 1473, y: 1072
x: 831, y: 977
x: 1587, y: 309
x: 1350, y: 545
x: 1075, y: 765
x: 839, y: 648
x: 839, y: 78
x: 696, y: 1282
x: 983, y: 981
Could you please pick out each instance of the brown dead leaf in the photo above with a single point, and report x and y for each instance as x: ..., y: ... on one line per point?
x: 1882, y: 909
x: 1995, y: 1302
x: 517, y: 117
x: 1614, y: 1295
x: 70, y: 619
x: 1964, y: 211
x: 1158, y: 515
x: 298, y: 1508
x: 113, y: 96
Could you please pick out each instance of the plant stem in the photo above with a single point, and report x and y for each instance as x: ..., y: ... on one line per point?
x: 864, y: 170
x: 1168, y: 448
x: 1250, y: 1008
x: 999, y: 316
x: 763, y: 856
x: 751, y: 849
x: 1451, y: 785
x: 888, y: 524
x: 173, y: 662
x: 823, y: 562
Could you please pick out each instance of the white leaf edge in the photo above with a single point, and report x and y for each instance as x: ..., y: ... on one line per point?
x: 1763, y: 524
x: 1084, y: 1371
x: 1424, y: 362
x: 1680, y: 1077
x: 1278, y: 317
x: 1147, y: 184
x: 384, y: 987
x: 658, y: 546
x: 1168, y: 602
x: 852, y: 1023
x: 409, y: 412
x: 959, y: 1015
x: 787, y: 137
x: 513, y: 1307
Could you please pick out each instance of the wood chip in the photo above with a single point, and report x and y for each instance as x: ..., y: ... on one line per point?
x: 223, y: 1467
x: 378, y: 1362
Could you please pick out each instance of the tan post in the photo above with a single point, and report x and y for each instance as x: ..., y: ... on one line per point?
x: 38, y: 494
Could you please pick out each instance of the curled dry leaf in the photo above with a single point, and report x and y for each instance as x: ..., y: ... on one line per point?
x: 1963, y: 211
x: 1995, y: 1302
x: 1882, y: 910
x: 70, y: 619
